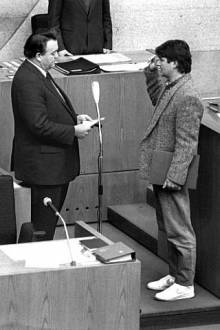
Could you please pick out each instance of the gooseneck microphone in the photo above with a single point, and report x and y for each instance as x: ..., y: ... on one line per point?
x: 48, y: 202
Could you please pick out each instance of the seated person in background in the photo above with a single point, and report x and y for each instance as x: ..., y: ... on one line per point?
x: 81, y: 26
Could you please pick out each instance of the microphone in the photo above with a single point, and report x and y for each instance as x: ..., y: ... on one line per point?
x: 96, y: 91
x: 48, y: 202
x: 96, y: 95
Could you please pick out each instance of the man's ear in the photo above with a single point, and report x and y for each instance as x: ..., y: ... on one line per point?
x: 175, y: 64
x: 38, y: 57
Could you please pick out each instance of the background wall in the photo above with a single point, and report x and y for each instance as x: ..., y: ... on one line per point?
x: 136, y: 24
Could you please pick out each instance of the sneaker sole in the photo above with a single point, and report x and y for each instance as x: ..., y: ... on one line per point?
x: 153, y: 289
x: 174, y: 299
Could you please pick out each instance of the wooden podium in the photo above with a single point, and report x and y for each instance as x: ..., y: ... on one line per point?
x: 94, y: 296
x: 205, y: 206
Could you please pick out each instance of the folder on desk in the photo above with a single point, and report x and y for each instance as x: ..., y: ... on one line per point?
x: 78, y: 66
x: 161, y: 161
x: 92, y: 243
x: 116, y: 252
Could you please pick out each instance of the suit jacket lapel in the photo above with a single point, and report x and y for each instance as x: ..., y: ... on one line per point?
x: 163, y: 102
x: 62, y: 98
x: 67, y: 104
x: 91, y: 7
x: 82, y: 5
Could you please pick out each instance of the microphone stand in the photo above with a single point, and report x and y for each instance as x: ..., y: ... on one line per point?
x: 48, y: 202
x: 100, y: 185
x: 96, y: 91
x: 72, y: 262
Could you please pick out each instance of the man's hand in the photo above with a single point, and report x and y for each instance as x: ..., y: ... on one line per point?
x: 170, y: 185
x: 154, y: 63
x: 106, y: 51
x: 81, y: 130
x: 82, y: 118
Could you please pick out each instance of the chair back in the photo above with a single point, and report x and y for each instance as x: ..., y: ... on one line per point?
x: 8, y: 232
x: 39, y: 23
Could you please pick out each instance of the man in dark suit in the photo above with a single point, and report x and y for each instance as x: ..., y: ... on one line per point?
x: 81, y: 26
x: 174, y: 128
x: 45, y: 152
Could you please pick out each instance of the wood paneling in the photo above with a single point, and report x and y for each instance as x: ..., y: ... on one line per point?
x: 205, y: 208
x: 126, y: 107
x: 118, y: 188
x: 94, y: 297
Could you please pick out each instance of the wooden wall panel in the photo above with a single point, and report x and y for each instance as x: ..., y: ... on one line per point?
x: 94, y: 297
x: 205, y: 208
x: 118, y: 188
x: 126, y: 107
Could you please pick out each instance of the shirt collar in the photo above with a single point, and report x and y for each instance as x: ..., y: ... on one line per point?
x: 44, y: 73
x: 173, y: 83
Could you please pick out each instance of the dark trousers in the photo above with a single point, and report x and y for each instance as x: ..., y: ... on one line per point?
x: 173, y: 217
x: 42, y: 217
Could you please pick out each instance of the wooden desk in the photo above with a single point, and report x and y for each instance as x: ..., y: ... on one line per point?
x: 205, y: 205
x: 92, y: 297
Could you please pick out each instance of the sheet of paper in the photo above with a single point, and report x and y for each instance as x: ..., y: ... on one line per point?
x: 125, y: 67
x: 104, y: 58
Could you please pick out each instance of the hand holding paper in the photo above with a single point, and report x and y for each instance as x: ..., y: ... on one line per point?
x: 95, y: 122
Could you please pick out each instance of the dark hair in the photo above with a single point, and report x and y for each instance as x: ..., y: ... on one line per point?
x: 37, y: 43
x: 176, y: 50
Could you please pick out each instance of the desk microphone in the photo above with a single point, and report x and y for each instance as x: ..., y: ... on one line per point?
x: 48, y: 202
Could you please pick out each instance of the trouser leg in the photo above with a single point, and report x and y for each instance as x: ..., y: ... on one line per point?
x: 42, y: 217
x: 173, y: 216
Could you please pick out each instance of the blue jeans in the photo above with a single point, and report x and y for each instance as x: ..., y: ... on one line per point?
x: 173, y: 217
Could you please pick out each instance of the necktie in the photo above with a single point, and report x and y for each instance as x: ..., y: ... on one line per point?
x: 52, y: 83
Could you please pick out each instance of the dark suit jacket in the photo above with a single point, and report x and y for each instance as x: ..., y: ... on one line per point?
x: 45, y: 149
x: 79, y: 31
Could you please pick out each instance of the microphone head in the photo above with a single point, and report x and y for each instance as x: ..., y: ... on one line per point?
x: 96, y: 91
x: 47, y: 200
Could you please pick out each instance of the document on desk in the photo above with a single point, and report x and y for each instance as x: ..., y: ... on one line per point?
x: 101, y: 59
x: 124, y: 67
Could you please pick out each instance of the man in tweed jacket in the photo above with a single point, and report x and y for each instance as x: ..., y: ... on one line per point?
x: 174, y: 127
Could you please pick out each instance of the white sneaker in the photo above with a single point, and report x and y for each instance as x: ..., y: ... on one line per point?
x: 176, y: 292
x: 162, y: 284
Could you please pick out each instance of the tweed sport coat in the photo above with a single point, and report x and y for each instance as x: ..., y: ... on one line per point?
x: 78, y: 30
x: 45, y: 149
x: 174, y: 126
